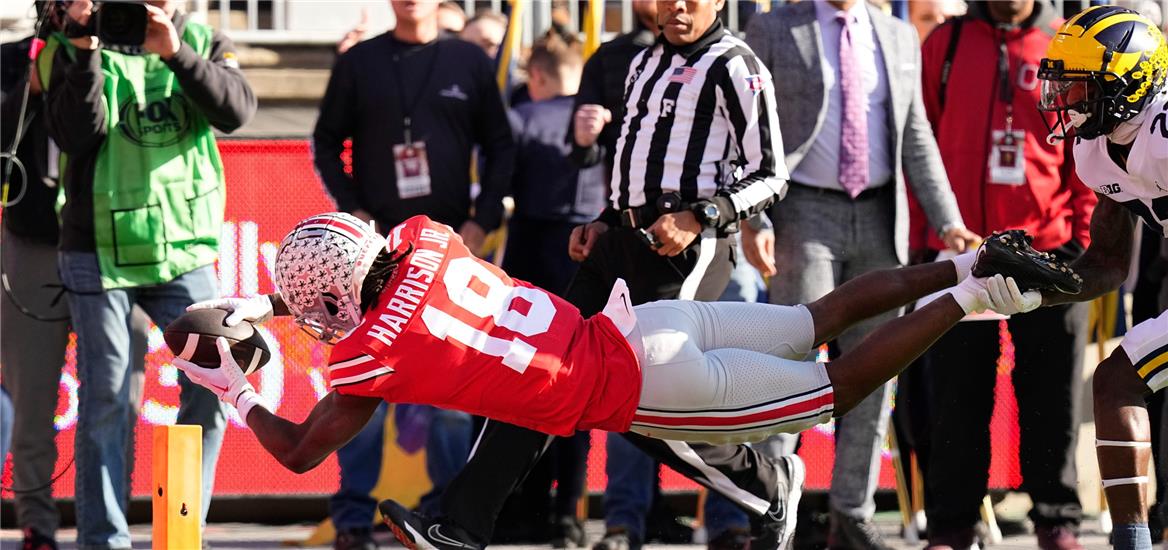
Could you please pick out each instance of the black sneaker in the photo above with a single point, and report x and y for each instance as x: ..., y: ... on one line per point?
x: 777, y: 528
x: 848, y: 533
x: 1009, y: 253
x: 730, y: 539
x: 568, y: 532
x: 34, y: 540
x: 354, y: 539
x: 415, y: 531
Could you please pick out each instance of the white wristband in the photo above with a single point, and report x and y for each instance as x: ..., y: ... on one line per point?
x: 248, y: 400
x: 963, y: 263
x: 966, y: 293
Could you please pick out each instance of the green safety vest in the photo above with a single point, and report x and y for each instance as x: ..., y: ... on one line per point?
x: 158, y: 181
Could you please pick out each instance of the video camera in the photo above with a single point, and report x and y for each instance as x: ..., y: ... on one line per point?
x: 114, y: 22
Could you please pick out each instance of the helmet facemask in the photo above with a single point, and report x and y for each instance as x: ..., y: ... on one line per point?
x: 320, y: 269
x: 1087, y: 101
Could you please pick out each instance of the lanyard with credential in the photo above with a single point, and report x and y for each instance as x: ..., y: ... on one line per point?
x: 409, y: 106
x: 1006, y: 85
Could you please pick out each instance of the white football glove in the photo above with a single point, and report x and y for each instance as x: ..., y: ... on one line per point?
x: 969, y: 294
x: 227, y: 382
x: 256, y: 309
x: 1002, y: 295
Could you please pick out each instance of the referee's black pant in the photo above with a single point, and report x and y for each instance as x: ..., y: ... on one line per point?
x: 504, y: 453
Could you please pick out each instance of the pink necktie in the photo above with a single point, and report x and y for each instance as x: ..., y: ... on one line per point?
x: 853, y: 152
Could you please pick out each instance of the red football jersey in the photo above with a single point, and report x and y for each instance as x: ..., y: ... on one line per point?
x: 456, y: 332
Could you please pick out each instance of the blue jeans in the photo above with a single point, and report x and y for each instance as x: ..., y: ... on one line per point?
x: 447, y: 449
x: 360, y: 462
x: 101, y: 320
x: 746, y: 283
x: 630, y: 486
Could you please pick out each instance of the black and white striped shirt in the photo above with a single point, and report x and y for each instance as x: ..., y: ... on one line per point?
x: 700, y: 120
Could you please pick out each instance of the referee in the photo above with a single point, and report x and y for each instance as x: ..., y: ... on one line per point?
x: 696, y: 154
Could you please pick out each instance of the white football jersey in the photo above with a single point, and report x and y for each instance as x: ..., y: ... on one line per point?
x: 1143, y: 187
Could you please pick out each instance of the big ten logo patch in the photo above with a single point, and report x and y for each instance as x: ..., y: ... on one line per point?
x: 160, y: 122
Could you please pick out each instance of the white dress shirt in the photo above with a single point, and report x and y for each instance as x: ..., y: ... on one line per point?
x: 820, y: 168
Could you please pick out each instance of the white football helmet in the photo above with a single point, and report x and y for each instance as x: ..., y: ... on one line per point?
x: 320, y: 268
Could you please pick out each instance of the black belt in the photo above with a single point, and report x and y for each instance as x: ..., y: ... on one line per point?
x: 869, y: 193
x: 640, y: 217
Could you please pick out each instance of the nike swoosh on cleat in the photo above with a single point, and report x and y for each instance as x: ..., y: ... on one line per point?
x: 435, y: 534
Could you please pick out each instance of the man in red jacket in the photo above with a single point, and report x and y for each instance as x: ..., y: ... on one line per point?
x: 980, y: 89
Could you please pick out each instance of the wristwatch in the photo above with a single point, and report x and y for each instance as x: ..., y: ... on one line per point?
x: 707, y: 213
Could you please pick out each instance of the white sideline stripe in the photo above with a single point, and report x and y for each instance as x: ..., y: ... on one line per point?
x: 350, y: 363
x: 718, y: 479
x: 689, y: 287
x: 1125, y: 481
x: 189, y: 348
x: 1132, y: 444
x: 363, y: 376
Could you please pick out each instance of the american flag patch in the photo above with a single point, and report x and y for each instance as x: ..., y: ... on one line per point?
x: 684, y: 75
x: 755, y: 83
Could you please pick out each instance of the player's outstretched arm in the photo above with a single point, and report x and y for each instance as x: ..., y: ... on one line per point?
x: 875, y: 292
x: 301, y: 447
x: 1103, y: 266
x: 889, y: 349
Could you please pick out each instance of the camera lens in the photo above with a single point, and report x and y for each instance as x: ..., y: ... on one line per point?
x: 116, y: 21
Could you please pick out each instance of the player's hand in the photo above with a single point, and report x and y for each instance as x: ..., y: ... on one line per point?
x: 675, y: 231
x: 589, y: 121
x: 1002, y: 295
x: 759, y: 249
x: 960, y: 239
x: 473, y: 236
x: 256, y: 309
x: 583, y: 238
x: 356, y: 34
x: 227, y: 382
x: 80, y: 11
x: 161, y: 36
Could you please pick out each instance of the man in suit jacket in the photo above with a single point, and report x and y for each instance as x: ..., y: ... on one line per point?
x: 847, y: 79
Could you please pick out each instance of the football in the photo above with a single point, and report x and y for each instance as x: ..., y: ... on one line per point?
x: 192, y: 337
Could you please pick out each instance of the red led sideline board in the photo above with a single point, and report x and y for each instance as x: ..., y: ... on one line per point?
x: 271, y: 185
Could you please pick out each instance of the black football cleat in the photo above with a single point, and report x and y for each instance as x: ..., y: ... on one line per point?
x: 416, y: 531
x: 1008, y: 253
x: 777, y: 526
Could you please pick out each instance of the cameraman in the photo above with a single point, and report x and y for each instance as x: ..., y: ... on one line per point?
x: 144, y: 206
